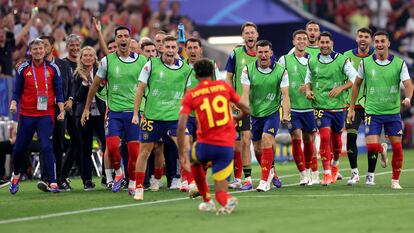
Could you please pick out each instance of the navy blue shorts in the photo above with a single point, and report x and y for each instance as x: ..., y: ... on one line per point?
x: 155, y: 131
x: 392, y: 125
x: 268, y: 124
x: 119, y: 124
x: 221, y: 158
x: 334, y: 120
x: 192, y: 126
x: 302, y: 120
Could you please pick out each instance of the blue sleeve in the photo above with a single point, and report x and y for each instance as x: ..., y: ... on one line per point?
x: 231, y: 63
x: 57, y: 84
x: 18, y: 87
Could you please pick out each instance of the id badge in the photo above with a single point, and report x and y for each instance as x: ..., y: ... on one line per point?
x: 42, y: 101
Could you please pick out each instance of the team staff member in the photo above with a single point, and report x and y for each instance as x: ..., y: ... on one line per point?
x: 38, y: 88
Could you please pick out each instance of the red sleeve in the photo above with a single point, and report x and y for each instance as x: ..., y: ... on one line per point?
x: 186, y: 104
x: 234, y: 97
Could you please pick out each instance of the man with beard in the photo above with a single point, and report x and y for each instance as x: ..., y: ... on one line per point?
x: 120, y: 70
x: 167, y: 79
x: 383, y: 74
x: 237, y: 60
x: 328, y: 77
x: 265, y: 86
x: 363, y: 39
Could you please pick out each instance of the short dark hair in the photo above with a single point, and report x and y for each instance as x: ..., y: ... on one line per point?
x: 311, y: 22
x: 327, y: 34
x: 248, y: 24
x: 264, y: 43
x: 382, y: 33
x: 110, y: 41
x: 169, y: 38
x: 51, y: 39
x: 203, y: 68
x: 161, y: 32
x: 146, y: 43
x: 192, y: 39
x: 119, y: 28
x: 297, y: 32
x: 365, y: 30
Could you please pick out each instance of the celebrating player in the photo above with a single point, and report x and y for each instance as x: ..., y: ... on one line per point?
x: 263, y: 84
x: 383, y: 73
x: 302, y: 124
x: 328, y: 77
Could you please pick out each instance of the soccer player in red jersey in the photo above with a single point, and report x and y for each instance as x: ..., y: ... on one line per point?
x: 215, y: 135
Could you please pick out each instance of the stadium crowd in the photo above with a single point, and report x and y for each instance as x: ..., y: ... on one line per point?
x: 137, y: 81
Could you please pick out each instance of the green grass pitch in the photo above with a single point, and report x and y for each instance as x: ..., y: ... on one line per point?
x: 337, y: 208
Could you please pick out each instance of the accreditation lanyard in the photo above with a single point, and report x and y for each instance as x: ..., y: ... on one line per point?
x: 42, y: 96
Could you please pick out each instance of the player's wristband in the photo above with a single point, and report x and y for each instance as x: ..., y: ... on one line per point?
x: 409, y: 100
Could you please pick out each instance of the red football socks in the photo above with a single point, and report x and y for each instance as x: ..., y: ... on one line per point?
x: 133, y: 151
x: 112, y: 144
x: 266, y: 162
x: 238, y: 165
x: 200, y: 179
x: 298, y: 154
x: 325, y: 148
x: 222, y: 197
x: 397, y: 160
x: 139, y: 179
x: 158, y: 172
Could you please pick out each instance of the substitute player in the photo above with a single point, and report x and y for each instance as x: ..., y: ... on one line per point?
x: 194, y: 51
x: 240, y: 57
x: 215, y: 135
x: 328, y: 77
x: 121, y: 70
x: 302, y: 123
x: 363, y: 49
x: 167, y: 79
x: 383, y: 74
x: 263, y: 84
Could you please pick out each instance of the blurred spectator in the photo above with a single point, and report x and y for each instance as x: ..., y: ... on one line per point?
x: 360, y: 18
x: 25, y: 18
x: 380, y: 11
x: 409, y: 30
x: 344, y: 10
x: 7, y: 46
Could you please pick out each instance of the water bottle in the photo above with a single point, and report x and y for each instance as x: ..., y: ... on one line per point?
x: 180, y: 33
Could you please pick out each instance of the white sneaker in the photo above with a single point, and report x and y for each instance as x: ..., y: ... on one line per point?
x: 229, y: 208
x: 139, y: 194
x: 369, y: 180
x: 236, y: 184
x: 175, y: 183
x: 384, y: 157
x: 395, y: 184
x: 207, y: 206
x: 303, y: 178
x: 339, y: 176
x: 315, y: 178
x: 354, y: 179
x: 308, y: 174
x: 193, y: 190
x: 155, y: 185
x: 263, y: 186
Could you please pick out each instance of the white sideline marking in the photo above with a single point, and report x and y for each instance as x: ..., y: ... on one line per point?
x: 46, y: 216
x: 331, y: 195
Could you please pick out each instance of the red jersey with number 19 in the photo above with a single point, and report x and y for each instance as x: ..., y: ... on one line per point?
x: 211, y: 102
